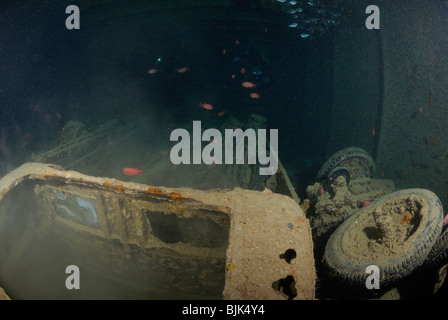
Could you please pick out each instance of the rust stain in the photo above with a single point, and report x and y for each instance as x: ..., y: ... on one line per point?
x: 120, y: 188
x: 106, y: 183
x: 51, y: 175
x: 175, y: 196
x: 153, y: 190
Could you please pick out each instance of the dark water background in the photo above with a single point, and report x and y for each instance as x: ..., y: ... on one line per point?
x: 49, y: 75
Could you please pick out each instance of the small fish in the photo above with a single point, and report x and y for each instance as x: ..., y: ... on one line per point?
x: 206, y: 106
x: 311, y: 3
x: 255, y: 95
x: 298, y: 10
x: 304, y: 35
x: 282, y: 1
x: 293, y: 2
x: 373, y: 131
x: 293, y: 25
x: 222, y: 113
x: 183, y: 69
x: 365, y: 203
x: 445, y: 220
x: 247, y: 84
x: 132, y: 171
x: 153, y: 71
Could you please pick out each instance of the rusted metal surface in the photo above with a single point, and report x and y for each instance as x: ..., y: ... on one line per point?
x: 230, y: 239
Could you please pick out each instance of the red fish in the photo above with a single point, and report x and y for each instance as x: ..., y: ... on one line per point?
x: 247, y: 84
x: 183, y: 69
x: 206, y: 106
x: 445, y: 220
x: 132, y: 171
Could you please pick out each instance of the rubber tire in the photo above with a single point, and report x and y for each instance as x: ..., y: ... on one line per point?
x: 341, y: 155
x: 332, y: 175
x: 392, y: 269
x: 439, y: 252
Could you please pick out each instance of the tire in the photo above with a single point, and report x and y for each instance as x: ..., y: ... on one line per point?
x: 439, y: 252
x: 335, y: 173
x: 350, y: 267
x: 338, y: 159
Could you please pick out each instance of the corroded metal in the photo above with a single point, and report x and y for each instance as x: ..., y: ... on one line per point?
x: 190, y: 243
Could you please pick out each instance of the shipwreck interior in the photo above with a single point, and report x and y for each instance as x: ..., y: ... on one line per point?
x: 361, y: 114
